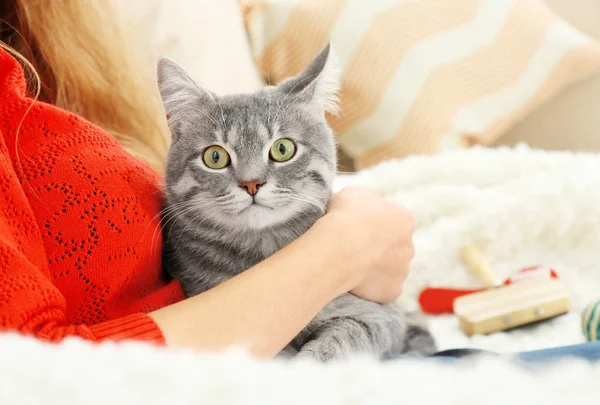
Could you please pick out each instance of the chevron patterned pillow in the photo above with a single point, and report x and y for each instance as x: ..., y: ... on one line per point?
x: 419, y: 76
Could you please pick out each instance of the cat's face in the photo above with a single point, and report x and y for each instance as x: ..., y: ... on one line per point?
x: 251, y: 160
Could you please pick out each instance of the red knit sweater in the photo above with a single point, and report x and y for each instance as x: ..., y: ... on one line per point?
x: 80, y: 242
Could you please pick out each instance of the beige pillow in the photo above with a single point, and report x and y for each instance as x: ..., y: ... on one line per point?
x: 419, y: 76
x: 571, y: 120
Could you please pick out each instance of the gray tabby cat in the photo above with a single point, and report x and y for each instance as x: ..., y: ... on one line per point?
x: 246, y: 175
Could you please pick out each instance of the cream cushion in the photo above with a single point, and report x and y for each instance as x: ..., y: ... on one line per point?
x: 207, y: 37
x: 570, y: 121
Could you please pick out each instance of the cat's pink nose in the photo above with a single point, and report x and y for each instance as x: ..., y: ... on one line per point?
x: 252, y: 186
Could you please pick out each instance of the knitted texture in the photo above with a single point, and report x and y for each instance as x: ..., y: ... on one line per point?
x: 80, y: 241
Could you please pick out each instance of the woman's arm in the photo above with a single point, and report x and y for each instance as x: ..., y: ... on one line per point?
x: 263, y: 308
x: 363, y: 244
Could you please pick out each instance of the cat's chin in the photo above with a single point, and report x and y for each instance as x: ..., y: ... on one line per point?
x: 260, y: 216
x: 257, y: 207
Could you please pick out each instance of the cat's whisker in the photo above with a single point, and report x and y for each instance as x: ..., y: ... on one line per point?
x: 313, y: 207
x: 224, y: 198
x: 173, y: 208
x: 188, y: 219
x: 169, y: 213
x: 167, y: 209
x: 194, y: 218
x: 223, y: 195
x: 161, y: 216
x: 309, y: 200
x: 173, y: 214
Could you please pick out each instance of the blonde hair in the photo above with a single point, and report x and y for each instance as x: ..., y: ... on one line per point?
x: 86, y: 61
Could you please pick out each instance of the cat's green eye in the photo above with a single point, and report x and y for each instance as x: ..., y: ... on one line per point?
x: 216, y: 157
x: 282, y: 150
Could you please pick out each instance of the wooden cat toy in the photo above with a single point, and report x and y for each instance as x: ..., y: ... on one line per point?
x: 505, y: 306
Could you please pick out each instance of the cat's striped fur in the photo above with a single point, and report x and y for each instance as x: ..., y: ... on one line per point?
x: 214, y: 229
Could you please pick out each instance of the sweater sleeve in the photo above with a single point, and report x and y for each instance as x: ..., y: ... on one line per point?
x: 29, y: 302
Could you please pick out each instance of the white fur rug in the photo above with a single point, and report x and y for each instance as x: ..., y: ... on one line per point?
x: 522, y: 207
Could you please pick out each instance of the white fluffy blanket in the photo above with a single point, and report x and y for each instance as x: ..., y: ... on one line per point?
x: 522, y: 207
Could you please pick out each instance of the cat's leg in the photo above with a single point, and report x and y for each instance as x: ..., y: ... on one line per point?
x: 419, y: 340
x: 352, y: 326
x: 341, y: 338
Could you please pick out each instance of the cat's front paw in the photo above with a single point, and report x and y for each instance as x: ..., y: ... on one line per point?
x: 319, y: 351
x: 325, y: 350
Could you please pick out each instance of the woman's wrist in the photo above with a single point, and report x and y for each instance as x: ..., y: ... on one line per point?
x: 327, y: 242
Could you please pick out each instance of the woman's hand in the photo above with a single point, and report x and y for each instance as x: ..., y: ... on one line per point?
x: 374, y: 239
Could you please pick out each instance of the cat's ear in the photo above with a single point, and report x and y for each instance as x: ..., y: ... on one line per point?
x: 319, y: 83
x: 178, y: 90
